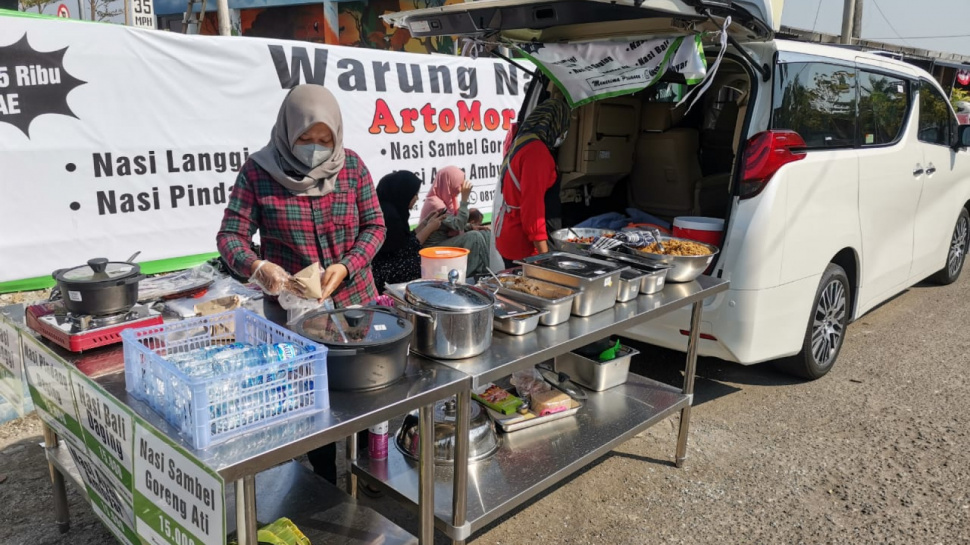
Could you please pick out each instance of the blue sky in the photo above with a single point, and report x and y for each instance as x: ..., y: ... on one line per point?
x: 920, y: 23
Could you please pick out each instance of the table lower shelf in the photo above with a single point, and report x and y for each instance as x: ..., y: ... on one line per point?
x: 324, y: 513
x: 532, y: 460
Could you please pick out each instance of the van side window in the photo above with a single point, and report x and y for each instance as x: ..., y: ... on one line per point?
x: 935, y: 120
x: 883, y: 103
x: 818, y: 101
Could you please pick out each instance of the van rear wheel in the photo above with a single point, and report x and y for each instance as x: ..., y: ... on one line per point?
x: 957, y: 254
x: 826, y: 327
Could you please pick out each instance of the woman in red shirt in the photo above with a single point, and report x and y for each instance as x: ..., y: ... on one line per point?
x: 529, y: 181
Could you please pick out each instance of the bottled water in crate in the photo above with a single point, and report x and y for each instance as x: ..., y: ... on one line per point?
x: 215, y: 377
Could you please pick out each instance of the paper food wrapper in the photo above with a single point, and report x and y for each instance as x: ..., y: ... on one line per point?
x: 215, y: 306
x: 309, y: 279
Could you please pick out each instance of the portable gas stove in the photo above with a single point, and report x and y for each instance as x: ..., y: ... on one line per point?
x: 83, y: 332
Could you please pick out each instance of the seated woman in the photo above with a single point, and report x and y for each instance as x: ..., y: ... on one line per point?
x: 398, y: 260
x: 449, y: 185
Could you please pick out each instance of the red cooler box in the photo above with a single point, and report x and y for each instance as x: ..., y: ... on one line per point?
x: 707, y: 230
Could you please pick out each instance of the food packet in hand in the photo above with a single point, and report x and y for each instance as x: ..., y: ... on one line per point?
x: 309, y: 280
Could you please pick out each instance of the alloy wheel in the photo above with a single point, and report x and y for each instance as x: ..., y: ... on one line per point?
x: 828, y: 326
x: 958, y: 247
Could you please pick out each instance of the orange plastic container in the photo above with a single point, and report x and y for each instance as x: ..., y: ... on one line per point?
x: 438, y: 261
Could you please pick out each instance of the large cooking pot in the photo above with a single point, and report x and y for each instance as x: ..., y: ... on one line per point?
x: 482, y: 439
x: 99, y: 288
x: 451, y: 320
x: 367, y: 348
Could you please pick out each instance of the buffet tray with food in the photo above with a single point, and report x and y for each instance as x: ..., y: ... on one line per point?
x: 597, y: 280
x: 545, y: 296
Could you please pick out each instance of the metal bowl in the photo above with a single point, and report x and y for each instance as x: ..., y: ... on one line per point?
x: 682, y: 268
x: 559, y: 238
x: 482, y: 439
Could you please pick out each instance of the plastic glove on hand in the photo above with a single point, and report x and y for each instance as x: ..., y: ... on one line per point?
x: 272, y: 278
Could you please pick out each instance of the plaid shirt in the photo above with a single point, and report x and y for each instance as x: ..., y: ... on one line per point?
x: 345, y: 226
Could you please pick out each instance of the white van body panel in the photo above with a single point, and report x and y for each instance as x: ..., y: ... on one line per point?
x: 779, y: 242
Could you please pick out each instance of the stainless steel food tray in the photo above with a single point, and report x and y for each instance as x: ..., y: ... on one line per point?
x: 515, y: 422
x: 597, y: 280
x: 558, y: 302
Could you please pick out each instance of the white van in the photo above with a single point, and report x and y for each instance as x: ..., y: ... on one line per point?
x: 842, y: 176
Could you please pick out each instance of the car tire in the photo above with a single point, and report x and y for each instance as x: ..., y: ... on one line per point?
x: 826, y: 327
x: 957, y: 253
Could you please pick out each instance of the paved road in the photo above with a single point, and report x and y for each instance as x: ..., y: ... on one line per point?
x: 876, y: 452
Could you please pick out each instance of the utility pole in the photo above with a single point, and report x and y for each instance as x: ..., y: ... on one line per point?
x: 222, y: 16
x: 857, y: 20
x: 848, y: 16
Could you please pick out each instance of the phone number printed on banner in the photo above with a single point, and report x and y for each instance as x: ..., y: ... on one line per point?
x: 49, y: 381
x: 11, y: 366
x: 178, y: 500
x: 112, y: 506
x: 108, y: 428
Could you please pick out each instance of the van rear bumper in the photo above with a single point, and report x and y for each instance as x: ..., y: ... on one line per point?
x: 751, y: 326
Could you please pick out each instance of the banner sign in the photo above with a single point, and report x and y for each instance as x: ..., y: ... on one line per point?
x: 591, y: 71
x: 108, y: 429
x: 112, y: 506
x: 49, y: 381
x: 11, y: 366
x: 138, y: 150
x: 178, y: 500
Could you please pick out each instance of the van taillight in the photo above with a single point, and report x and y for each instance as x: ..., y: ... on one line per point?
x: 764, y: 154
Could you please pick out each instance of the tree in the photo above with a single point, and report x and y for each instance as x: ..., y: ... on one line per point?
x: 102, y: 10
x: 41, y: 5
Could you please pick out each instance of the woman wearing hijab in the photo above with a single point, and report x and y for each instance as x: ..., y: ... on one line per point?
x: 311, y: 200
x: 398, y: 260
x: 530, y: 183
x: 449, y: 196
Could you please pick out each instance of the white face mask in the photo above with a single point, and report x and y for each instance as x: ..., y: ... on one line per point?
x: 560, y: 140
x: 312, y: 155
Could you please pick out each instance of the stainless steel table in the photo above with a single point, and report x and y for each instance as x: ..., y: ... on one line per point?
x: 468, y: 497
x: 239, y: 460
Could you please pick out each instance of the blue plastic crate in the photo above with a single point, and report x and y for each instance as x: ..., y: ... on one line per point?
x: 210, y: 410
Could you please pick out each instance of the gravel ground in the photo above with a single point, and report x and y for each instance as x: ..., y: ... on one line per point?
x: 876, y: 452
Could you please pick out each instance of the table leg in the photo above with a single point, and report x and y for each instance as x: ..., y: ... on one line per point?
x: 351, y: 458
x: 246, y: 510
x: 689, y: 372
x: 62, y: 515
x: 459, y: 497
x: 426, y: 475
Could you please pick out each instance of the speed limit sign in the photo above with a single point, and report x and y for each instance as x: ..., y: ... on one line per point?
x: 62, y: 12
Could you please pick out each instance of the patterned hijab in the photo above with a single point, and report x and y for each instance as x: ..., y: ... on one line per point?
x: 547, y: 122
x: 303, y: 107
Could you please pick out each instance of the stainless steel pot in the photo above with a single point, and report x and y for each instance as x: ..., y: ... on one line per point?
x: 99, y: 288
x: 451, y: 320
x: 367, y: 347
x: 482, y: 439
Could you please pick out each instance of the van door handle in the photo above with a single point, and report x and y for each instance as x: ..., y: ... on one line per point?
x: 918, y: 171
x: 930, y: 170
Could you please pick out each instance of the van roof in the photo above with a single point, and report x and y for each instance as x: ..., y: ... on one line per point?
x: 849, y: 55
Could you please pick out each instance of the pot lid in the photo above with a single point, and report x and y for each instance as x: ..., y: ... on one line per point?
x: 448, y: 295
x: 562, y: 382
x: 98, y: 270
x: 360, y: 327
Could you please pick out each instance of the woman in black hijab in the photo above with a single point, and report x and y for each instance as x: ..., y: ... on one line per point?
x: 398, y: 260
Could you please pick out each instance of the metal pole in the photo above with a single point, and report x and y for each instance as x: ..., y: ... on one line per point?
x: 689, y: 372
x: 426, y: 475
x: 62, y: 515
x: 246, y: 510
x: 848, y: 12
x: 351, y: 458
x: 80, y: 10
x: 126, y: 13
x: 459, y: 497
x: 222, y: 13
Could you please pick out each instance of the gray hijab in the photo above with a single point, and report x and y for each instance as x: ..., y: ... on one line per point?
x: 304, y: 106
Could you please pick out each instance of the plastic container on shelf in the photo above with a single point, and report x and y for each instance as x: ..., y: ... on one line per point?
x: 260, y: 386
x: 706, y: 230
x: 438, y: 261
